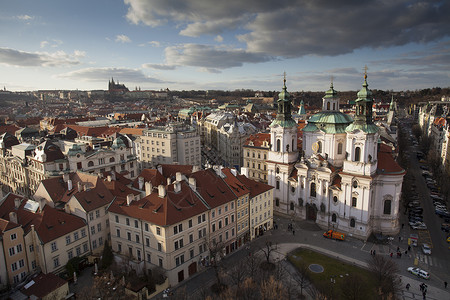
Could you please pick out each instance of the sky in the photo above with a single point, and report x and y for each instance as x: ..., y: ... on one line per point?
x: 224, y: 45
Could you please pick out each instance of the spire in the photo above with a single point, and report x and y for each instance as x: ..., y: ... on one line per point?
x: 301, y: 109
x: 392, y: 105
x: 284, y: 116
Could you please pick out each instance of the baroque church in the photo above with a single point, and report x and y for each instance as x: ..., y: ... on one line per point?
x: 345, y: 179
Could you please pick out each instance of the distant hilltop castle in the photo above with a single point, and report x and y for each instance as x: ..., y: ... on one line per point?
x: 116, y: 87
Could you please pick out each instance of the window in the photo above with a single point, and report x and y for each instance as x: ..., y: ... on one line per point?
x: 357, y: 153
x: 354, y: 201
x: 190, y: 223
x: 119, y: 248
x: 146, y: 226
x: 91, y: 216
x: 94, y: 244
x: 319, y: 148
x: 99, y: 227
x: 180, y: 227
x: 92, y: 230
x: 335, y: 199
x: 118, y: 232
x: 220, y: 224
x: 175, y: 229
x: 277, y: 202
x: 159, y: 246
x: 313, y: 189
x: 53, y: 246
x: 147, y: 242
x: 129, y: 236
x: 191, y: 238
x: 226, y: 221
x: 292, y: 206
x: 85, y: 247
x: 107, y: 222
x: 138, y: 254
x: 68, y: 240
x: 278, y: 185
x: 31, y: 248
x: 70, y: 254
x: 355, y: 184
x: 158, y: 231
x: 33, y: 264
x: 199, y: 219
x: 352, y: 222
x: 90, y: 163
x: 117, y: 219
x: 191, y: 253
x: 278, y: 145
x: 339, y: 149
x: 12, y: 251
x: 56, y: 262
x: 13, y: 236
x: 14, y: 266
x: 78, y: 250
x: 97, y: 213
x: 137, y: 239
x: 100, y: 241
x: 127, y: 221
x: 387, y: 207
x: 136, y: 224
x: 333, y: 218
x: 83, y: 232
x: 214, y: 227
x: 149, y: 258
x: 160, y: 262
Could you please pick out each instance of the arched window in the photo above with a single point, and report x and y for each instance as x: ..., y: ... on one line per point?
x: 339, y: 148
x: 278, y: 145
x: 278, y: 184
x: 293, y: 145
x: 335, y: 199
x: 333, y: 218
x: 334, y: 106
x: 90, y: 163
x: 292, y: 205
x: 352, y: 222
x: 277, y: 202
x: 313, y: 189
x: 319, y: 149
x: 278, y: 170
x: 328, y: 105
x: 387, y: 207
x: 112, y: 159
x: 357, y: 154
x: 354, y: 201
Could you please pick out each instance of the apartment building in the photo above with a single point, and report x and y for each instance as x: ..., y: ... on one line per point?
x: 260, y: 206
x: 255, y: 153
x: 212, y: 123
x: 83, y: 195
x: 166, y: 229
x: 171, y: 144
x: 14, y: 265
x: 242, y: 205
x: 51, y: 236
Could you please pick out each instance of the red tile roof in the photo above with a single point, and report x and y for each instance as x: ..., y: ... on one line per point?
x: 257, y: 140
x: 6, y: 225
x: 163, y: 211
x: 386, y: 162
x: 212, y: 188
x: 238, y: 188
x: 43, y: 285
x: 50, y: 223
x: 170, y: 171
x: 152, y: 176
x: 255, y: 187
x: 120, y: 190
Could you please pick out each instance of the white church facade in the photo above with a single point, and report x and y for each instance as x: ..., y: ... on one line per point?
x: 346, y: 179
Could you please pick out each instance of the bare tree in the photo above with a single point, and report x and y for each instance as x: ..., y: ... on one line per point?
x: 353, y: 287
x: 238, y: 273
x: 216, y: 254
x: 302, y: 277
x: 272, y: 289
x: 268, y: 248
x: 386, y: 273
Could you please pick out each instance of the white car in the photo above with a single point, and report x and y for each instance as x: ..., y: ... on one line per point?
x: 419, y: 272
x: 426, y: 249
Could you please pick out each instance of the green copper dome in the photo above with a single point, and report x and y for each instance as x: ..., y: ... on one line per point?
x: 331, y: 93
x: 328, y: 121
x: 284, y: 116
x: 364, y: 94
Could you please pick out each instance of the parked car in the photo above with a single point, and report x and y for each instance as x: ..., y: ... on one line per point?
x: 419, y: 272
x: 419, y: 226
x: 445, y: 227
x: 426, y: 249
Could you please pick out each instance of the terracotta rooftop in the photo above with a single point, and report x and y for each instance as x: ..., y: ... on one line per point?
x: 255, y: 187
x: 386, y: 162
x: 6, y: 225
x: 43, y: 285
x: 152, y: 176
x: 238, y: 188
x: 170, y: 171
x: 257, y: 140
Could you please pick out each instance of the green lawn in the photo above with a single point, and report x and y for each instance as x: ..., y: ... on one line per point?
x: 336, y: 269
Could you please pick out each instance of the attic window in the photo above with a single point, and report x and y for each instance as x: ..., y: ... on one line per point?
x: 70, y: 192
x: 220, y: 190
x: 122, y: 189
x: 210, y: 194
x: 143, y: 205
x: 157, y: 209
x: 49, y: 226
x: 189, y: 202
x: 87, y: 200
x: 101, y: 195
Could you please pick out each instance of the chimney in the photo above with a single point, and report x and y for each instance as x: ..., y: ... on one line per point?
x: 160, y: 169
x: 129, y: 199
x: 67, y: 208
x: 113, y: 175
x: 161, y: 191
x: 85, y: 186
x: 41, y: 204
x: 66, y: 177
x: 148, y: 188
x: 13, y: 217
x: 17, y: 202
x: 69, y: 185
x: 169, y: 181
x: 195, y: 169
x: 178, y: 176
x: 192, y: 183
x: 234, y: 172
x: 109, y: 178
x: 177, y: 186
x: 80, y: 186
x: 141, y: 183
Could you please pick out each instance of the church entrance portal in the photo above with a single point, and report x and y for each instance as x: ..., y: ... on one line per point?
x: 311, y: 212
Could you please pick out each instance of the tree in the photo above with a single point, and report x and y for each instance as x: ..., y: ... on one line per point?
x: 353, y: 287
x: 107, y: 256
x: 216, y: 254
x: 272, y: 289
x: 238, y: 273
x: 386, y: 275
x: 268, y: 249
x: 302, y: 277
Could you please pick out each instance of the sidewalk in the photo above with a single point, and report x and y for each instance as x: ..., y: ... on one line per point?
x: 433, y: 293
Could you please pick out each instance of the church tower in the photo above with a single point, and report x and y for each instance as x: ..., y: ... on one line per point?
x: 283, y: 152
x: 362, y: 136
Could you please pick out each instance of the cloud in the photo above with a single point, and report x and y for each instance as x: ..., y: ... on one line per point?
x: 154, y: 43
x: 218, y: 39
x: 44, y: 44
x: 44, y: 59
x: 159, y: 66
x: 296, y: 28
x: 52, y: 43
x: 103, y: 74
x: 210, y: 58
x: 25, y: 17
x: 121, y: 38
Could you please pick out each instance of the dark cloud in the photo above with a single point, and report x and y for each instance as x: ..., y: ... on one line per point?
x: 102, y: 74
x: 295, y: 28
x: 211, y: 58
x: 32, y: 59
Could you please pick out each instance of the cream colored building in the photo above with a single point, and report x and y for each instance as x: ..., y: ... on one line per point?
x: 15, y: 265
x: 255, y: 153
x: 172, y: 144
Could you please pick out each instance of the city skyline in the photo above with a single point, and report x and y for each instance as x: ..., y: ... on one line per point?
x: 194, y: 44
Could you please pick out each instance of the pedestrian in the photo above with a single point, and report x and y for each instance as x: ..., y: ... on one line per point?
x: 407, y: 286
x: 421, y: 287
x: 391, y: 254
x: 445, y: 284
x: 409, y: 248
x: 406, y: 252
x: 371, y: 252
x: 374, y: 252
x: 399, y: 238
x: 398, y: 249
